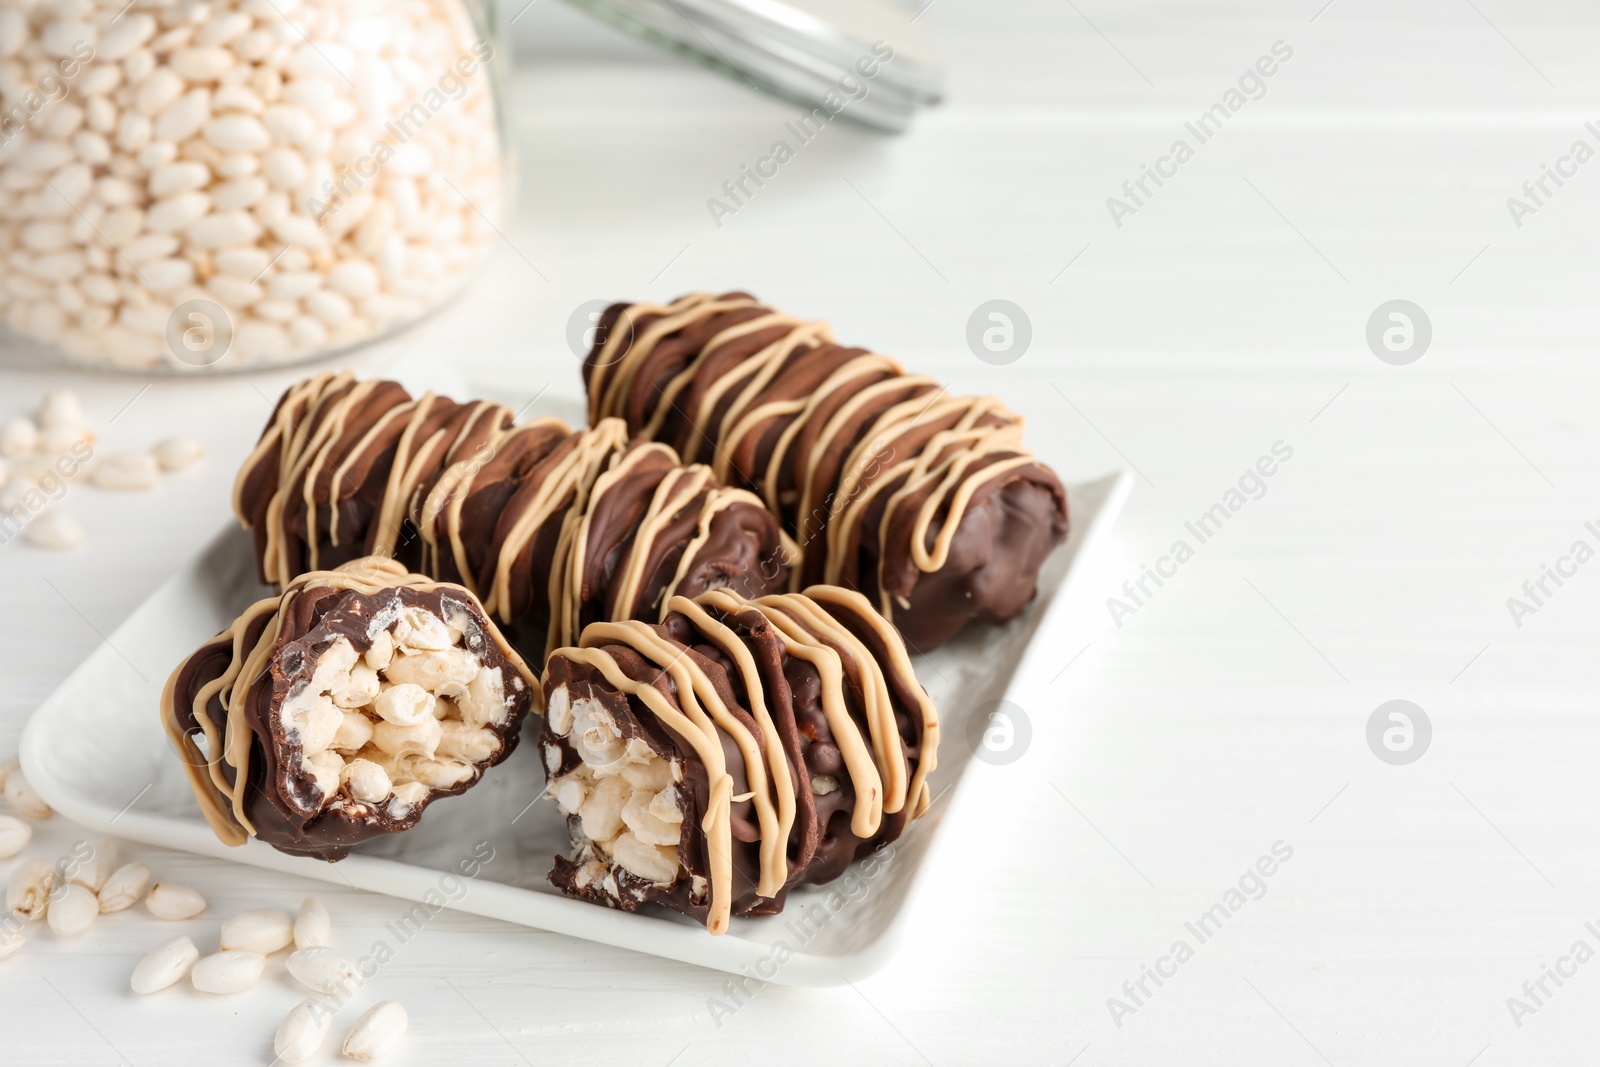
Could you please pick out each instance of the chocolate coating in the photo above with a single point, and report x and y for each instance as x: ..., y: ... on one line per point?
x: 928, y: 504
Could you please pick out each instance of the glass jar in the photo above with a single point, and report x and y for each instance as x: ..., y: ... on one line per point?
x: 222, y: 183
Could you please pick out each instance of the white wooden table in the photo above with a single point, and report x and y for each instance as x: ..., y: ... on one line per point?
x: 1229, y: 712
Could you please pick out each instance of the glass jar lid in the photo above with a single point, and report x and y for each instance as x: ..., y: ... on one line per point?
x: 864, y: 60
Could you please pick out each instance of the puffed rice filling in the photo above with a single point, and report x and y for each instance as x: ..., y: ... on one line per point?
x: 382, y: 729
x: 624, y: 794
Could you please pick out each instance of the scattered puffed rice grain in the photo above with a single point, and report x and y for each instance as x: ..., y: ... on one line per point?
x: 125, y: 888
x: 264, y: 930
x: 73, y: 911
x: 378, y: 1032
x: 22, y: 796
x: 11, y: 942
x: 302, y: 1031
x: 313, y: 927
x: 322, y: 969
x: 6, y: 768
x: 28, y: 889
x: 128, y: 472
x: 93, y: 872
x: 60, y: 440
x: 18, y: 437
x: 176, y: 453
x: 14, y: 836
x: 56, y: 531
x: 174, y: 901
x: 60, y: 407
x: 164, y: 965
x: 228, y: 971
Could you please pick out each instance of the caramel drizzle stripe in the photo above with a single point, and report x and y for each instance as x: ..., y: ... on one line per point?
x: 459, y: 496
x: 329, y: 430
x: 615, y: 394
x: 963, y: 485
x: 575, y: 473
x: 238, y: 737
x: 481, y: 409
x: 751, y: 364
x: 398, y: 505
x: 884, y: 733
x: 566, y: 574
x: 291, y: 439
x: 410, y: 463
x: 603, y: 400
x: 900, y: 481
x: 296, y: 461
x: 774, y: 847
x: 766, y: 366
x: 716, y: 824
x: 957, y: 467
x: 676, y: 492
x: 604, y: 362
x: 965, y: 478
x: 722, y: 464
x: 839, y: 533
x: 867, y: 815
x: 900, y: 663
x: 878, y: 431
x: 745, y: 418
x: 852, y: 501
x: 499, y: 430
x: 409, y: 503
x: 853, y: 496
x: 197, y: 767
x: 285, y: 421
x: 408, y: 411
x: 450, y: 494
x: 681, y: 380
x: 895, y: 422
x: 437, y: 453
x: 284, y: 438
x: 854, y: 369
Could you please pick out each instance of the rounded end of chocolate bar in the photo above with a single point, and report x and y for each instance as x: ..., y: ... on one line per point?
x: 992, y: 572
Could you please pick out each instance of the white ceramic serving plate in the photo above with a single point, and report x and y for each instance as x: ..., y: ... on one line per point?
x: 97, y: 753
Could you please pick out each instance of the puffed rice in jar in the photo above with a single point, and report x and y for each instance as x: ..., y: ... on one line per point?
x: 218, y: 183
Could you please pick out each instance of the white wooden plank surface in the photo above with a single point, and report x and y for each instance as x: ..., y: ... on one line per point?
x: 1227, y: 714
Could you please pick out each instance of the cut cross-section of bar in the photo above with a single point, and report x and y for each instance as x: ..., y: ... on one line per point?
x: 740, y: 748
x: 341, y: 709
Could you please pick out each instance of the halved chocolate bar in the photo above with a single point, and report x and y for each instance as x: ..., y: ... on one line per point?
x: 740, y: 748
x: 339, y: 710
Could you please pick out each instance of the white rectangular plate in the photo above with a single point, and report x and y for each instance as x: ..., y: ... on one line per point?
x: 97, y: 753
